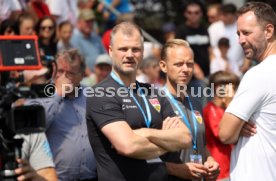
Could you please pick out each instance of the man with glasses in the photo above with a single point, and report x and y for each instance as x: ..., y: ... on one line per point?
x: 66, y: 123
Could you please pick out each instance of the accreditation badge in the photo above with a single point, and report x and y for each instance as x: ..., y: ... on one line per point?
x: 196, y: 158
x: 198, y: 117
x: 156, y: 104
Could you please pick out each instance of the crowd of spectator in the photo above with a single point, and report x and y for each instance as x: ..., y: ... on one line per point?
x: 75, y: 34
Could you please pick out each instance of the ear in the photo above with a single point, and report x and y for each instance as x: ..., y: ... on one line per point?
x: 269, y: 31
x: 109, y: 50
x: 163, y: 66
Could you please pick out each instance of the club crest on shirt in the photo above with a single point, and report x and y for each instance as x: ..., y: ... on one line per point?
x: 155, y: 103
x: 198, y: 117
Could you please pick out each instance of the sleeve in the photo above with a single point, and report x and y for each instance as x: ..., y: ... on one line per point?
x: 104, y: 110
x: 40, y: 152
x: 51, y: 106
x: 249, y: 96
x: 166, y: 108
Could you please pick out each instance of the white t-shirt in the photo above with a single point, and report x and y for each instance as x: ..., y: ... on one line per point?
x: 217, y: 64
x: 64, y: 9
x: 235, y: 53
x: 254, y: 158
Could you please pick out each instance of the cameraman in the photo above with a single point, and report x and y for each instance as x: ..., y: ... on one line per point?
x: 37, y: 162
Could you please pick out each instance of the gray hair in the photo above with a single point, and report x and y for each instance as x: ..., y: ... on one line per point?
x: 71, y: 56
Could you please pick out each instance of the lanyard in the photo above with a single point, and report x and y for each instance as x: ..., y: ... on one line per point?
x: 147, y: 118
x: 185, y: 119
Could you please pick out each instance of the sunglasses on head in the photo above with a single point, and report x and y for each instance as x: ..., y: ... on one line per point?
x: 46, y: 27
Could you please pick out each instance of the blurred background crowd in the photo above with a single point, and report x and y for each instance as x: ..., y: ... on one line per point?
x: 209, y: 26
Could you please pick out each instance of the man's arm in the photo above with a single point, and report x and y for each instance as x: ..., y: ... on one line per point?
x: 26, y: 172
x: 171, y: 138
x: 229, y: 128
x: 129, y: 144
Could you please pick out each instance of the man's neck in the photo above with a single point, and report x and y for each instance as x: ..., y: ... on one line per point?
x: 192, y: 25
x: 172, y: 87
x: 127, y: 79
x: 270, y: 50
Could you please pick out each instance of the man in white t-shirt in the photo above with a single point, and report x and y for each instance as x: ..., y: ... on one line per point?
x: 254, y: 157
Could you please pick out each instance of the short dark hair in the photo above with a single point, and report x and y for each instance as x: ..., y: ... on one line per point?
x: 223, y: 42
x: 223, y: 77
x: 263, y: 12
x: 228, y: 8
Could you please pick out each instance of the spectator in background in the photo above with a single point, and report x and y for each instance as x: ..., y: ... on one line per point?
x: 102, y: 69
x: 25, y: 25
x: 63, y: 10
x: 196, y: 34
x: 220, y: 62
x: 87, y: 41
x: 169, y: 31
x: 150, y: 71
x: 213, y: 13
x: 7, y: 27
x: 46, y: 31
x: 227, y: 27
x: 66, y: 127
x: 121, y: 6
x: 225, y: 85
x: 65, y: 32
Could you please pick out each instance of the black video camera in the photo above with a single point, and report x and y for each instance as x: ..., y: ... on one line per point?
x: 16, y: 53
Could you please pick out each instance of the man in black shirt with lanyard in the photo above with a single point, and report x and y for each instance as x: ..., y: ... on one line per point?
x: 129, y: 124
x: 177, y: 61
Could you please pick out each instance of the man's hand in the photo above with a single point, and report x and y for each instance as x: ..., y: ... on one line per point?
x: 192, y: 171
x: 213, y: 169
x: 248, y: 129
x: 26, y: 172
x: 170, y: 123
x: 63, y: 85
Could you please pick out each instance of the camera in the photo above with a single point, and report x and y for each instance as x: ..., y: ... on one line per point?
x: 17, y: 53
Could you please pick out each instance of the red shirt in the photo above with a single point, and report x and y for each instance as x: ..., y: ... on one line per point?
x: 106, y: 39
x: 212, y: 115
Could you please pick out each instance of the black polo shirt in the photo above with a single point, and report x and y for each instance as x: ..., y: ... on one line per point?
x: 104, y: 108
